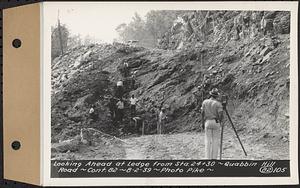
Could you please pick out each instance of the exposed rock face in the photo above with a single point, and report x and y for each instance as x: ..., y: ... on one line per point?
x: 223, y: 26
x: 246, y: 60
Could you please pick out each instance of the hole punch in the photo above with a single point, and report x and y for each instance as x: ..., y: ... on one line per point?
x: 17, y: 43
x: 16, y: 145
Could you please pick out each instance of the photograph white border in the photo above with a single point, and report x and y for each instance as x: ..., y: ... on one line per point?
x: 242, y: 5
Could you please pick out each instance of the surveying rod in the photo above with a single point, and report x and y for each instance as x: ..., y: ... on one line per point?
x: 202, y: 91
x: 234, y: 129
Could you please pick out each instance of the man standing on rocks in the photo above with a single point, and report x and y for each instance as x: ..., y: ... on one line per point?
x: 92, y: 113
x: 206, y: 85
x: 161, y: 121
x: 132, y: 81
x: 133, y: 101
x: 120, y: 89
x: 126, y: 70
x: 120, y: 110
x: 112, y: 108
x: 213, y: 115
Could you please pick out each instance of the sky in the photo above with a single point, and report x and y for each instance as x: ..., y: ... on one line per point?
x: 99, y: 19
x: 96, y: 20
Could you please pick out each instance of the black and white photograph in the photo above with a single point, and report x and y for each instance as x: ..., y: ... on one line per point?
x: 170, y: 84
x: 150, y: 93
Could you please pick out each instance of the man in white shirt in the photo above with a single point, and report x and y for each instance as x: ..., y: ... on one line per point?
x: 133, y: 102
x: 93, y: 115
x: 119, y: 89
x: 126, y: 69
x: 213, y: 115
x: 120, y: 110
x: 161, y: 121
x: 91, y: 110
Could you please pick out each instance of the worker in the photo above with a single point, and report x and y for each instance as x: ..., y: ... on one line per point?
x: 112, y: 107
x: 213, y: 114
x: 133, y: 102
x: 120, y: 89
x: 138, y: 123
x: 120, y: 110
x: 267, y: 26
x: 126, y: 70
x: 93, y: 114
x: 207, y: 83
x: 161, y: 121
x: 132, y: 81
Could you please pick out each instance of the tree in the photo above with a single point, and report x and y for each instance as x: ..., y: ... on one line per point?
x: 56, y: 42
x: 74, y: 41
x: 159, y: 22
x: 135, y: 30
x: 132, y: 31
x: 89, y: 40
x: 148, y: 32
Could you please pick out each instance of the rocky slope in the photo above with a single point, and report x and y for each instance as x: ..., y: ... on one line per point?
x: 249, y: 64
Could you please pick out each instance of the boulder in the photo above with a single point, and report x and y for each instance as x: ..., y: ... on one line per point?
x: 67, y: 145
x: 265, y: 51
x: 282, y: 24
x: 270, y: 14
x: 77, y: 63
x: 80, y: 102
x: 265, y: 59
x: 86, y: 56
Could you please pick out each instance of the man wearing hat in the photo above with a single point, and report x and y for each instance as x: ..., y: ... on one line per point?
x: 213, y: 114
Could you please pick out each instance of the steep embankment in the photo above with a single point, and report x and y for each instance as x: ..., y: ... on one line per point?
x: 250, y: 67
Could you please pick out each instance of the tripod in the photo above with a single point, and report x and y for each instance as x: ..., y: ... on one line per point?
x: 224, y: 103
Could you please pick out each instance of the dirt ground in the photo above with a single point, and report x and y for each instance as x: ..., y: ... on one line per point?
x: 191, y: 146
x: 187, y: 146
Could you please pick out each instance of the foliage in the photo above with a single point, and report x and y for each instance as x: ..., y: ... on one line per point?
x: 135, y: 30
x: 148, y: 31
x: 158, y: 22
x: 89, y: 40
x: 55, y: 40
x: 68, y: 41
x: 74, y: 41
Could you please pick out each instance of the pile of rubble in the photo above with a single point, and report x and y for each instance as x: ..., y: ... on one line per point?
x: 88, y: 137
x: 83, y: 77
x: 79, y: 81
